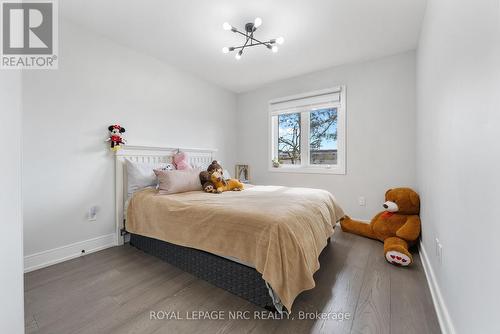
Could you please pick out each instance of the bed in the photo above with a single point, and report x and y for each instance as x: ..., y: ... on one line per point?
x: 261, y: 244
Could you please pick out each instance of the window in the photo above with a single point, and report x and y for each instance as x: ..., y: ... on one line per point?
x: 308, y: 132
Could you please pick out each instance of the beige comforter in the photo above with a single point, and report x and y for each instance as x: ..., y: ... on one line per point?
x: 280, y: 231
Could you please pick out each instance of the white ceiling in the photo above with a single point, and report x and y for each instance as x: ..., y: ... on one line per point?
x: 318, y: 34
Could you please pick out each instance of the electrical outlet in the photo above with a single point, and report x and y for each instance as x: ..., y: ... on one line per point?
x: 92, y: 213
x: 361, y: 201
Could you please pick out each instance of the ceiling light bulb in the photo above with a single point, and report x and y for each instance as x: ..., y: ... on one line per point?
x: 274, y: 49
x: 280, y: 40
x: 238, y: 55
x: 258, y: 22
x: 226, y: 26
x: 225, y: 49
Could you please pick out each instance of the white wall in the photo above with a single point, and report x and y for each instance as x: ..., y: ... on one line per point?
x: 458, y: 161
x: 380, y: 111
x: 68, y: 167
x: 11, y: 244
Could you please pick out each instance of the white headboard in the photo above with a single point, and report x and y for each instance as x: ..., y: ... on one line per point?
x: 147, y: 154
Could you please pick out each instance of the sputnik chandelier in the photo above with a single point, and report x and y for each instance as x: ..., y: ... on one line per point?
x: 250, y: 40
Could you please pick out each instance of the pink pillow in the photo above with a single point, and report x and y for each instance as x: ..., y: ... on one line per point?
x: 181, y: 161
x: 178, y: 181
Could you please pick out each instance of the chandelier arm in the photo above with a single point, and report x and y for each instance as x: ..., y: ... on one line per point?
x: 239, y: 32
x: 251, y: 37
x: 249, y: 45
x: 245, y: 45
x: 268, y: 43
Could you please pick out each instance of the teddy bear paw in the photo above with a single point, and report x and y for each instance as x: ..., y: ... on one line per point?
x: 397, y: 258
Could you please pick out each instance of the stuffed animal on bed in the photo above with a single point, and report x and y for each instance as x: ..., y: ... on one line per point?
x: 181, y: 161
x: 205, y: 177
x: 398, y: 226
x: 206, y: 183
x: 213, y: 181
x: 225, y: 185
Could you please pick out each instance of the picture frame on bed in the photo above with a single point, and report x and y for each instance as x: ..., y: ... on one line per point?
x: 242, y: 173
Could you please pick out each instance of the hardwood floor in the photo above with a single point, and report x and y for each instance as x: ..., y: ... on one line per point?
x: 114, y: 291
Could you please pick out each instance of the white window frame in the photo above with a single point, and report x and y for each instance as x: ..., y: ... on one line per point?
x: 295, y: 106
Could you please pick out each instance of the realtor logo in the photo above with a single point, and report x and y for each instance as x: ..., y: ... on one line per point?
x: 29, y: 34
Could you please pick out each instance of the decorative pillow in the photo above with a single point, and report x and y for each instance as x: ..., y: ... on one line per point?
x: 178, y: 181
x: 141, y: 175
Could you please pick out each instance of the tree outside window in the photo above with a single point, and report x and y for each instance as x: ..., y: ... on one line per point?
x: 322, y: 137
x: 289, y: 139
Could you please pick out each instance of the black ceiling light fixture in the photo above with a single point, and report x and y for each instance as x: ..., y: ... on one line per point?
x: 250, y: 40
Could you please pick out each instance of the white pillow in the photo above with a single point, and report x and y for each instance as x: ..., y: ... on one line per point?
x: 141, y: 175
x: 226, y: 174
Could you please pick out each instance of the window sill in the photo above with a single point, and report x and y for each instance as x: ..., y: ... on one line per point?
x: 308, y: 170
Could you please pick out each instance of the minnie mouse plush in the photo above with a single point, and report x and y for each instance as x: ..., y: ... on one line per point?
x: 116, y: 136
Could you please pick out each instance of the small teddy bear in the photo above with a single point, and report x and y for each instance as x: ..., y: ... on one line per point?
x: 115, y: 136
x: 212, y: 180
x: 206, y: 183
x: 206, y: 177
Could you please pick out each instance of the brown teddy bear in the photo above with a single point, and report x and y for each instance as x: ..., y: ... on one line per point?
x: 212, y: 180
x: 206, y: 183
x: 398, y: 226
x: 206, y: 179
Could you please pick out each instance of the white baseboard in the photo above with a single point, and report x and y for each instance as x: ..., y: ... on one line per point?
x: 67, y: 252
x: 439, y: 304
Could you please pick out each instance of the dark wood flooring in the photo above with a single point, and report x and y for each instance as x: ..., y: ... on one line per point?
x: 114, y: 291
